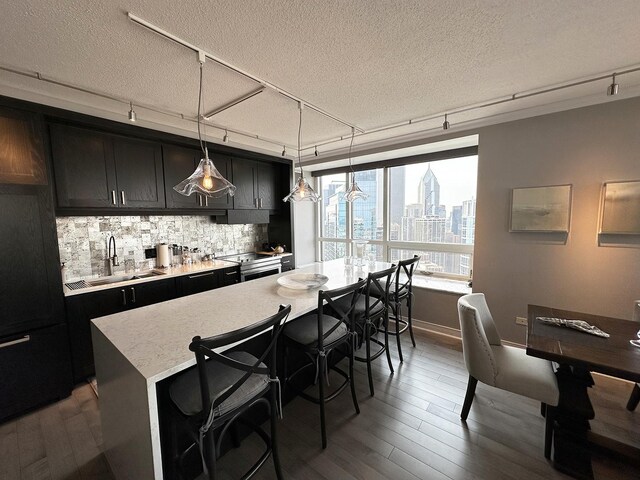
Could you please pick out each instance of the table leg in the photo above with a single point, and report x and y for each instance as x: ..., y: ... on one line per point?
x: 571, y: 453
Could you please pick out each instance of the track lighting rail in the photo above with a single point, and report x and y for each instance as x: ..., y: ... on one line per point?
x: 264, y: 83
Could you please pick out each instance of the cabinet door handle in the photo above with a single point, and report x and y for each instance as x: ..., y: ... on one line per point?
x: 286, y: 261
x: 255, y: 201
x: 200, y: 200
x: 124, y: 201
x: 113, y: 197
x: 208, y: 274
x: 24, y: 339
x: 206, y: 201
x: 124, y: 298
x: 260, y: 203
x: 231, y: 273
x: 133, y: 295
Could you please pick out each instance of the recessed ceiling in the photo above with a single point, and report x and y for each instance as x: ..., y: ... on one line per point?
x: 370, y: 63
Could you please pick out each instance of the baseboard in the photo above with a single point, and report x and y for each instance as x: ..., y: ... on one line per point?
x: 450, y: 332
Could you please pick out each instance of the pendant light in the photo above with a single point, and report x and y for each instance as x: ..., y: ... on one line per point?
x: 302, y: 191
x: 206, y: 179
x: 353, y: 193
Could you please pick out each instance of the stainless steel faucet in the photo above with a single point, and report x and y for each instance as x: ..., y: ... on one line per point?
x: 112, y: 261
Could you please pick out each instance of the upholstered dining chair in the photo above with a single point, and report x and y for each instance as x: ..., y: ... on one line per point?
x: 508, y: 368
x: 210, y: 398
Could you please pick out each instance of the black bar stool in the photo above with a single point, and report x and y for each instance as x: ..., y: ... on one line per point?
x: 224, y: 386
x: 372, y: 317
x: 401, y: 291
x: 319, y: 333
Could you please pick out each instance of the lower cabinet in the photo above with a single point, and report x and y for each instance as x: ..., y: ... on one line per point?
x: 198, y: 282
x: 230, y: 275
x: 288, y: 263
x: 34, y: 368
x: 82, y: 308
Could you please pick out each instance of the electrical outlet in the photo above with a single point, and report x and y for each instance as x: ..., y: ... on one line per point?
x: 521, y: 321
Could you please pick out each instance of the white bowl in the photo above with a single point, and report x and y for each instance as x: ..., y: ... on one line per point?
x: 303, y: 281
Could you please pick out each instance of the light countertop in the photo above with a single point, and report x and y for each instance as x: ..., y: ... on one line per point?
x: 155, y: 339
x: 163, y: 273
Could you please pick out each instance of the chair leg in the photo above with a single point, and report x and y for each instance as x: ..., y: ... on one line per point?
x: 468, y: 398
x: 367, y: 334
x: 543, y: 409
x: 210, y: 454
x: 274, y: 436
x: 386, y: 341
x: 634, y: 399
x: 323, y: 426
x: 397, y: 315
x: 409, y: 320
x: 352, y: 383
x: 548, y: 430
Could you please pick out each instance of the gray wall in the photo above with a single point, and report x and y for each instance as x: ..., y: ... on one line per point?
x: 584, y: 147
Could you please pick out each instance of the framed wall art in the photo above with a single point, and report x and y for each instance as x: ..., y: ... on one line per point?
x: 621, y: 208
x: 541, y: 209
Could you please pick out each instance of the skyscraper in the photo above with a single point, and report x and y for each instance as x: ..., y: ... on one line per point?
x: 429, y: 193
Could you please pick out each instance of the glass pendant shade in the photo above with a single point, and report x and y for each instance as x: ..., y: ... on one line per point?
x: 302, y: 192
x: 206, y: 180
x: 354, y: 193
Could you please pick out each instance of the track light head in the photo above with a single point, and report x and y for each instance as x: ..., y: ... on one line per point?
x: 613, y: 88
x: 284, y: 150
x: 445, y: 124
x: 132, y: 113
x: 225, y: 139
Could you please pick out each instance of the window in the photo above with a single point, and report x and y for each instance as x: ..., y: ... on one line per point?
x: 430, y: 212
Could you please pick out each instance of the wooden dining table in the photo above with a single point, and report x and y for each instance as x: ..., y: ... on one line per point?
x: 578, y: 354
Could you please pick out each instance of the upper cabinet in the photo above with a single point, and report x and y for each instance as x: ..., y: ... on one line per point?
x: 179, y: 163
x: 21, y: 150
x: 257, y: 185
x: 99, y: 170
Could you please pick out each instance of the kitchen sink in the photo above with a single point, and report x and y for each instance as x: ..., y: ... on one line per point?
x: 122, y: 278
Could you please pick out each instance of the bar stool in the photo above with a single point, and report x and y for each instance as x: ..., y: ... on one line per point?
x: 372, y: 317
x: 319, y: 333
x: 401, y: 291
x: 223, y: 387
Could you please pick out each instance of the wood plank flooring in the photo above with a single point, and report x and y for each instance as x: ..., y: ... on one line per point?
x: 409, y: 430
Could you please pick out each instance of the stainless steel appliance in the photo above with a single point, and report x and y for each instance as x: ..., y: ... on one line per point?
x: 254, y: 265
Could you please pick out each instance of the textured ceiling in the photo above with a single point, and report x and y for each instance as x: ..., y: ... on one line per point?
x: 372, y: 63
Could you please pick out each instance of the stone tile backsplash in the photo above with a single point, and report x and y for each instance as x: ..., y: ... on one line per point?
x: 83, y: 240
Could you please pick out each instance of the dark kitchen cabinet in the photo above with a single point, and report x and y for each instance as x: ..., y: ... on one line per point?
x: 179, y: 163
x: 99, y: 170
x: 288, y: 263
x: 34, y: 368
x: 21, y: 150
x: 198, y: 282
x: 257, y: 185
x: 82, y: 308
x: 230, y: 276
x: 34, y: 358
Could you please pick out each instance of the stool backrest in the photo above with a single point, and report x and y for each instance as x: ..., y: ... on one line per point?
x: 204, y: 348
x: 378, y: 282
x: 327, y: 303
x: 406, y: 269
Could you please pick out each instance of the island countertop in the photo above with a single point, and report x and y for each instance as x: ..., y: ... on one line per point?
x: 155, y: 339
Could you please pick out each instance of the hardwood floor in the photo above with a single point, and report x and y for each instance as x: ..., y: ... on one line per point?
x: 409, y: 430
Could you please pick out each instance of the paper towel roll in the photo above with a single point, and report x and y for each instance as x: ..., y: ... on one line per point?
x: 162, y: 255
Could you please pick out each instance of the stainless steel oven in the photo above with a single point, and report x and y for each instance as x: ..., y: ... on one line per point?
x: 254, y: 266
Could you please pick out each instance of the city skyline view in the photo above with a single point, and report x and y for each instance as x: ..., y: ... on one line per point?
x: 428, y: 203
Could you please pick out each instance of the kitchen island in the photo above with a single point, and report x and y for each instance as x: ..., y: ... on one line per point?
x: 134, y: 350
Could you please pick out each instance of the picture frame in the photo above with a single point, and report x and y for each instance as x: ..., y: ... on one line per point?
x: 541, y: 209
x: 620, y: 212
